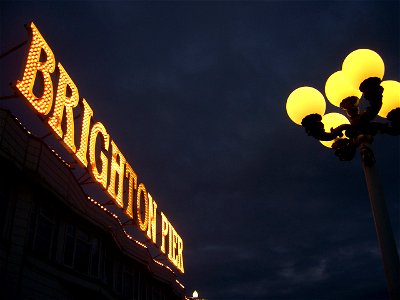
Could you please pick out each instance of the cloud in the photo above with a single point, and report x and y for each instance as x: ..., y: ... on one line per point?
x: 310, y: 274
x: 194, y: 94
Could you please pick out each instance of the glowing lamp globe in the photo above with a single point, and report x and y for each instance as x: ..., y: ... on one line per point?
x: 332, y: 120
x: 337, y: 88
x: 195, y: 294
x: 362, y: 64
x: 390, y: 97
x: 303, y: 102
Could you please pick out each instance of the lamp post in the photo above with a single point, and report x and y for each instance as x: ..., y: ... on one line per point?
x: 359, y: 84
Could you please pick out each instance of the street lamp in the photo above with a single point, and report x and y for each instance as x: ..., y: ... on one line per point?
x: 359, y: 84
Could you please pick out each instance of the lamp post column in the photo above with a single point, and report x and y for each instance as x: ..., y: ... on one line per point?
x: 380, y: 214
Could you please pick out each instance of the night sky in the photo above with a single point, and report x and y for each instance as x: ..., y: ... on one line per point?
x: 194, y: 93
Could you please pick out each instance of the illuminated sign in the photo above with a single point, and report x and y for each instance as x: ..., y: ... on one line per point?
x: 94, y: 149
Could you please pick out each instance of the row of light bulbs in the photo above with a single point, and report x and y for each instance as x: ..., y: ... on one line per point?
x: 102, y: 207
x: 131, y: 238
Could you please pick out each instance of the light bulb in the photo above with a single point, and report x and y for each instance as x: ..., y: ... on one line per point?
x: 332, y: 120
x: 362, y: 64
x: 390, y: 97
x: 337, y: 88
x: 305, y: 101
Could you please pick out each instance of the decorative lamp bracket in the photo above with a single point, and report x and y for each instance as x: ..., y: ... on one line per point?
x: 361, y: 124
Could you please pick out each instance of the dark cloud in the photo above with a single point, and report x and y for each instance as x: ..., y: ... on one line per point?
x: 194, y: 93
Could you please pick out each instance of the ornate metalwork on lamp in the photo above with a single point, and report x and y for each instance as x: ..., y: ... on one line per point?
x: 362, y: 127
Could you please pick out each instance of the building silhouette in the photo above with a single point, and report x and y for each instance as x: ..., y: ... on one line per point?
x: 56, y: 242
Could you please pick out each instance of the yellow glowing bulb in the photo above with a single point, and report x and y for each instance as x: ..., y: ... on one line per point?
x: 132, y: 179
x: 195, y: 294
x: 34, y: 64
x: 98, y: 128
x: 337, y: 88
x: 362, y: 64
x: 164, y: 231
x: 67, y: 104
x: 303, y: 102
x: 142, y: 223
x: 151, y: 228
x: 171, y: 244
x: 179, y: 256
x: 81, y: 153
x: 390, y: 97
x: 117, y: 167
x: 332, y: 120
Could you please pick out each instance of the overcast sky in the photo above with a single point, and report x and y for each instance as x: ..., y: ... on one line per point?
x: 194, y: 93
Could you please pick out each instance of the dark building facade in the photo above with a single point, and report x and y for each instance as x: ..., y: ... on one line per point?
x: 56, y: 242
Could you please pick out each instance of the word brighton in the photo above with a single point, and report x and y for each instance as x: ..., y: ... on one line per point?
x: 105, y: 162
